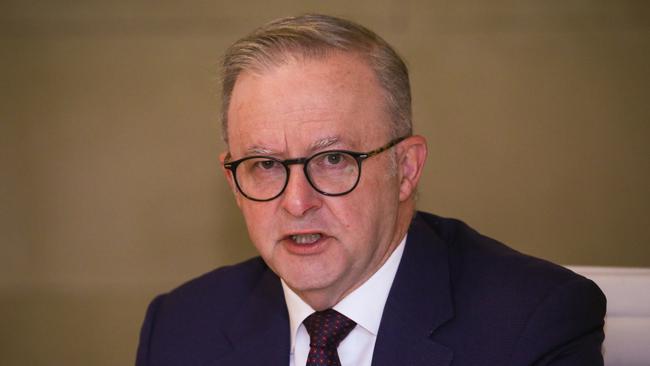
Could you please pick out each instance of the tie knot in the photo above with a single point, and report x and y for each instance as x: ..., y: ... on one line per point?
x: 328, y: 328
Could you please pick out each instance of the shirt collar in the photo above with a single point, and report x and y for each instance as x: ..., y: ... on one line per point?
x: 365, y: 305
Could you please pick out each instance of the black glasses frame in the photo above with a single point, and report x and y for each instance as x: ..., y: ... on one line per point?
x: 358, y: 156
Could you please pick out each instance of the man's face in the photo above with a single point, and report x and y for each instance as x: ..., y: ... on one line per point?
x: 323, y: 247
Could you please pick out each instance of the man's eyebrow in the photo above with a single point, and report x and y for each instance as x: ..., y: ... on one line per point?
x: 315, y: 146
x: 257, y: 150
x: 324, y: 143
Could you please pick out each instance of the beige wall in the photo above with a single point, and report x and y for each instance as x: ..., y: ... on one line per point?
x: 537, y: 115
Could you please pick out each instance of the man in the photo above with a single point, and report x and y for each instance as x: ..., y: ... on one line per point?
x: 324, y: 167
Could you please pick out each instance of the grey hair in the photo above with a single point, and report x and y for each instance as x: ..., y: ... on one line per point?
x: 315, y: 36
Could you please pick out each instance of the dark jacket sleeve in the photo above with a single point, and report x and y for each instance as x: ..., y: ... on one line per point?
x: 142, y: 356
x: 566, y: 329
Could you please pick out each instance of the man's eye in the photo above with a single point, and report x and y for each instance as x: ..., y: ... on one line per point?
x: 333, y: 158
x: 267, y: 164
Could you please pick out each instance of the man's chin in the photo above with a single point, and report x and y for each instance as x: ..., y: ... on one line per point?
x: 306, y: 285
x: 310, y: 285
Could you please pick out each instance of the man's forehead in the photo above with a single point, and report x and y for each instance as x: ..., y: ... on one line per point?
x: 305, y: 106
x: 335, y: 74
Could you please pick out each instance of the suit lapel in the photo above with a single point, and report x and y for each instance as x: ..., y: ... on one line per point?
x: 419, y: 302
x: 260, y: 333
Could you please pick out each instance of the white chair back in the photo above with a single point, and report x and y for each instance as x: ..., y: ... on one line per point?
x: 627, y: 324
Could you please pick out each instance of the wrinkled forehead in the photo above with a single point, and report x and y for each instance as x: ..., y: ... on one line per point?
x: 305, y: 102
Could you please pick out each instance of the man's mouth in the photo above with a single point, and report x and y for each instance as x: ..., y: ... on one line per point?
x: 306, y: 238
x: 306, y: 243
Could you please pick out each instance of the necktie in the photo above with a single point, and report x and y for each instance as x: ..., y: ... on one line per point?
x: 326, y: 330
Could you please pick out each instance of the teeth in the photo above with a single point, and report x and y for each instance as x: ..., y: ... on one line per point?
x: 305, y: 239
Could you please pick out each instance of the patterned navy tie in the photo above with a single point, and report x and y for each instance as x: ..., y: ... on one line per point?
x: 326, y: 330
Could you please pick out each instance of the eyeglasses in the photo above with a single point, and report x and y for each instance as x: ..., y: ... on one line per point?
x: 331, y: 173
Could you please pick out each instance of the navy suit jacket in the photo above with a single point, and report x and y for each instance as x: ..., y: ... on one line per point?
x: 458, y: 298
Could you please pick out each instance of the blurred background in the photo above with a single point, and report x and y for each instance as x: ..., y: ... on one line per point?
x: 537, y: 115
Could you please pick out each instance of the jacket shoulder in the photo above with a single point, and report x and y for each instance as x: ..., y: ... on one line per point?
x: 227, y: 285
x: 473, y: 255
x: 540, y: 310
x: 195, y: 317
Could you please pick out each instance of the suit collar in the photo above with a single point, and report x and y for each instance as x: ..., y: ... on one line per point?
x: 419, y: 302
x: 259, y: 334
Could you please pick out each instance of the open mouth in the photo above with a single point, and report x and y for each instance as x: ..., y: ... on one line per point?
x: 303, y: 239
x: 306, y: 242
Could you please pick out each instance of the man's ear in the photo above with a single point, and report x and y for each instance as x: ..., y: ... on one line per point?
x: 412, y: 153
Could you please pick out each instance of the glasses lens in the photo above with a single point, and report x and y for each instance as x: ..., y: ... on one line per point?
x: 261, y: 178
x: 333, y: 172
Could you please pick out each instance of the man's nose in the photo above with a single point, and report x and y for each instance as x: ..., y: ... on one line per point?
x: 299, y: 196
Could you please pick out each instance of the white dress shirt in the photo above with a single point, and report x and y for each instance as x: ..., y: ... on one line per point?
x: 365, y: 306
